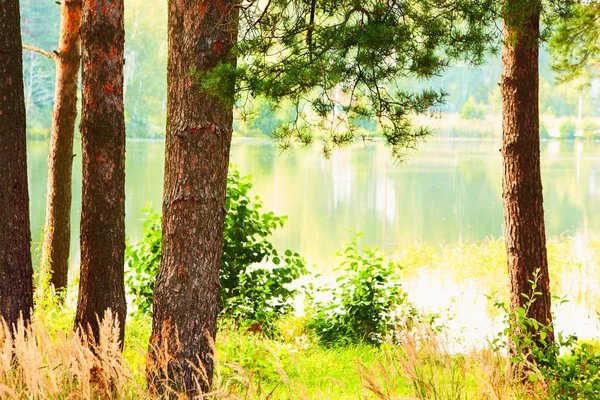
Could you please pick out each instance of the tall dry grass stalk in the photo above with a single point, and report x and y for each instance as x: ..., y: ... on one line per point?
x: 424, y: 362
x: 37, y: 365
x: 39, y: 361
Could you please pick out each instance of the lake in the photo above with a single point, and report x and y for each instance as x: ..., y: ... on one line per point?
x: 448, y: 192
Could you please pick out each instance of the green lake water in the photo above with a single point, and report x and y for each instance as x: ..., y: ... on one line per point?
x: 449, y: 191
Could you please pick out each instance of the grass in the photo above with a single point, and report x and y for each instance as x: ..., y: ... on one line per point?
x: 47, y: 361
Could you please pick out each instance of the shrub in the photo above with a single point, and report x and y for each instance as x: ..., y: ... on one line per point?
x: 142, y: 261
x: 363, y: 306
x: 591, y: 130
x: 568, y: 369
x: 473, y: 110
x: 250, y: 294
x: 567, y: 129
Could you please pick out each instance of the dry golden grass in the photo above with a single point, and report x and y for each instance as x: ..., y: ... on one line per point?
x: 42, y: 362
x: 37, y: 365
x: 425, y: 362
x: 37, y: 362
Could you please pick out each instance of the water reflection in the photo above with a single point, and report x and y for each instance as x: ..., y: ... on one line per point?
x: 449, y: 191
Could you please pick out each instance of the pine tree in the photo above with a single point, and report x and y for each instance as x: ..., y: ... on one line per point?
x: 575, y: 43
x: 101, y: 284
x: 199, y: 129
x: 16, y: 285
x: 57, y: 234
x: 525, y: 232
x: 296, y: 49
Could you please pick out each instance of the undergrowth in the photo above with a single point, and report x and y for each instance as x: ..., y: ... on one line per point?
x: 417, y: 360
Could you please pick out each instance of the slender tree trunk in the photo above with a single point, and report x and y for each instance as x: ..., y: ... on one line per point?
x: 57, y: 236
x: 16, y: 284
x: 101, y: 285
x: 522, y: 182
x: 199, y: 127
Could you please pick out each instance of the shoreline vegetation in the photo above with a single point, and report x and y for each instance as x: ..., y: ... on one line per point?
x: 365, y: 327
x: 447, y: 126
x: 428, y: 361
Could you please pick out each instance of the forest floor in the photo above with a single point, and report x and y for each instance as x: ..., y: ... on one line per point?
x: 48, y: 361
x: 51, y: 363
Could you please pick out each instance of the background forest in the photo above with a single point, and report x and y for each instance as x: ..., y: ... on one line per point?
x: 473, y: 93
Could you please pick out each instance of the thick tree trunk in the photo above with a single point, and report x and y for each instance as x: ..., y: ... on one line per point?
x: 201, y: 34
x: 16, y: 284
x: 101, y: 285
x: 57, y: 236
x: 522, y: 183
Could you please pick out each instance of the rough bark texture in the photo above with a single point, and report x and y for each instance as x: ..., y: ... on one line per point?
x: 522, y: 184
x: 57, y: 236
x: 16, y: 290
x: 101, y: 285
x: 201, y: 33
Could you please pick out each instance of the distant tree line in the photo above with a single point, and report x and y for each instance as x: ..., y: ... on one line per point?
x: 145, y: 79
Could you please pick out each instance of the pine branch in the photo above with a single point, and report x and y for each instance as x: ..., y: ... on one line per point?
x: 40, y: 51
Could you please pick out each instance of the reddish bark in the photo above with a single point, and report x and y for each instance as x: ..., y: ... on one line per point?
x: 57, y: 236
x: 198, y: 140
x: 522, y: 183
x: 101, y: 285
x: 16, y: 285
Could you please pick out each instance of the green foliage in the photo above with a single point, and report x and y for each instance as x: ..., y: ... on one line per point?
x: 473, y: 110
x: 591, y: 130
x: 342, y: 62
x: 37, y: 133
x: 575, y: 43
x: 250, y: 293
x: 364, y: 305
x: 576, y: 374
x: 146, y: 54
x: 570, y: 370
x: 142, y: 261
x: 259, y: 118
x: 567, y: 129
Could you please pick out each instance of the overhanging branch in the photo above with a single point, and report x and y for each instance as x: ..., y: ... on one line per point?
x: 40, y: 51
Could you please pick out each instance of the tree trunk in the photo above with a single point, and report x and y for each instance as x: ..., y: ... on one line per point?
x: 57, y: 236
x: 101, y: 285
x: 16, y: 284
x: 198, y: 139
x: 522, y: 183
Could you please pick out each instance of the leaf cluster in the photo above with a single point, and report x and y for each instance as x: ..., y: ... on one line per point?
x: 566, y: 368
x: 364, y: 305
x: 255, y: 278
x: 575, y: 43
x: 344, y: 61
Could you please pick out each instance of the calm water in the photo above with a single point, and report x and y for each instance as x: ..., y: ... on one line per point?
x: 448, y: 191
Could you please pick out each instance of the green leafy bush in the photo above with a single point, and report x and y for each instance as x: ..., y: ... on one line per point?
x: 569, y: 370
x: 473, y: 110
x: 255, y: 278
x: 567, y: 129
x: 142, y: 261
x: 365, y: 304
x: 591, y: 130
